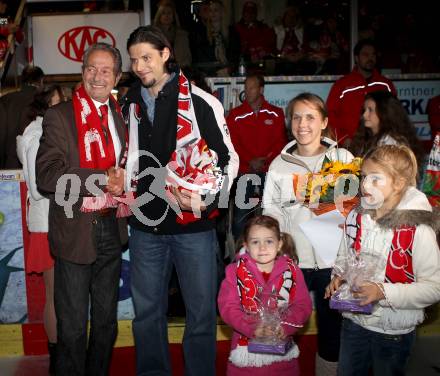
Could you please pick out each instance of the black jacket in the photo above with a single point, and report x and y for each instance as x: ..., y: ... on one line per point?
x: 159, y: 139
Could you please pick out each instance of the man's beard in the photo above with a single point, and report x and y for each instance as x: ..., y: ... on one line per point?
x: 149, y: 84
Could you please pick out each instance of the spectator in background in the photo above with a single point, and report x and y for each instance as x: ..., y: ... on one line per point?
x: 214, y: 50
x: 7, y: 26
x: 347, y: 94
x: 385, y: 121
x: 433, y: 111
x: 330, y: 48
x: 202, y: 16
x: 257, y: 40
x: 14, y: 106
x: 38, y: 258
x: 292, y: 44
x: 258, y: 133
x: 167, y: 20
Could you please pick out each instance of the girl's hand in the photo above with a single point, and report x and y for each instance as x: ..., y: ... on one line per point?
x: 260, y: 331
x: 333, y: 286
x: 269, y: 331
x: 279, y: 332
x: 369, y: 293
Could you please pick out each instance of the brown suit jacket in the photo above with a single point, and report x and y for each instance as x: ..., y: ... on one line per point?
x: 71, y: 239
x: 14, y: 110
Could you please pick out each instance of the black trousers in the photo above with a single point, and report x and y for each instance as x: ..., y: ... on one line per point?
x: 75, y: 286
x: 328, y: 320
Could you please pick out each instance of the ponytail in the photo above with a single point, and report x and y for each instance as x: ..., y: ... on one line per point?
x: 288, y: 248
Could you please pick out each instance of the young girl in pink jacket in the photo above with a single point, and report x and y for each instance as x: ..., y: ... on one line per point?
x: 266, y: 267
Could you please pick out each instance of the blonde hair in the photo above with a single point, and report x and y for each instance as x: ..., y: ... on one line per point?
x: 166, y: 5
x: 210, y: 29
x: 398, y: 160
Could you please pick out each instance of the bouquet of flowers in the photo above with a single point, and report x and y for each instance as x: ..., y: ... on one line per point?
x: 359, y: 268
x: 320, y: 191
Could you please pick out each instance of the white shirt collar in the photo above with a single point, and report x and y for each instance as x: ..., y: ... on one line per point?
x: 99, y: 104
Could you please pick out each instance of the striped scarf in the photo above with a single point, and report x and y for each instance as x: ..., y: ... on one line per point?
x: 399, y: 267
x: 94, y: 152
x: 249, y: 289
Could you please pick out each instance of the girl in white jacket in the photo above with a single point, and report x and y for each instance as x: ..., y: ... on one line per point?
x: 395, y: 224
x: 306, y: 154
x: 38, y: 258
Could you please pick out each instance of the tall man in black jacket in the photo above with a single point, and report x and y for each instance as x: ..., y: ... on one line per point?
x: 163, y: 109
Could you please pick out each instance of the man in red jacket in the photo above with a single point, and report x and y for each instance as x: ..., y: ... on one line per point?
x: 258, y: 133
x: 347, y: 94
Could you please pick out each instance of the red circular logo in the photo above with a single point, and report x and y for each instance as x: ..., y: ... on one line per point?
x: 74, y: 42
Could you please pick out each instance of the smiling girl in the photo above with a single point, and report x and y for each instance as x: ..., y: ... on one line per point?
x: 266, y: 267
x: 307, y: 154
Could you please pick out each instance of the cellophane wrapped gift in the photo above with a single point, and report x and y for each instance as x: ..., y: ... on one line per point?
x: 359, y: 268
x: 270, y: 314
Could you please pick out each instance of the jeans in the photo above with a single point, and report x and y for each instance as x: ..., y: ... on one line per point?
x: 151, y: 260
x: 328, y: 320
x: 240, y: 215
x: 74, y: 285
x: 362, y: 348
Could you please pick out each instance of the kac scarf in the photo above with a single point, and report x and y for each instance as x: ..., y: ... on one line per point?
x: 399, y: 267
x: 192, y: 165
x: 249, y: 289
x: 94, y: 151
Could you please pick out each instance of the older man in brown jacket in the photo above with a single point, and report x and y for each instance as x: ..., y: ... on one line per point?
x: 80, y: 166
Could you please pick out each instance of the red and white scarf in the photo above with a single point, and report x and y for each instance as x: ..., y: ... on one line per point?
x: 192, y: 165
x: 399, y: 267
x: 249, y: 289
x: 94, y: 151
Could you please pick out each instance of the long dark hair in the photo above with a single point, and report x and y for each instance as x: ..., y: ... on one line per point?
x: 41, y: 102
x: 154, y: 36
x: 393, y: 121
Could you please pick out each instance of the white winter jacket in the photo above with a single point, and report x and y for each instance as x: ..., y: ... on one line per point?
x: 27, y: 148
x: 408, y: 300
x: 279, y: 199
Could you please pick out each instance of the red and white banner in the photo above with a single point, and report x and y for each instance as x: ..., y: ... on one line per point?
x: 59, y: 41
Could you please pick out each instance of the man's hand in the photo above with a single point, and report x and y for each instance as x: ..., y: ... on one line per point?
x: 188, y: 200
x: 256, y: 165
x: 116, y: 178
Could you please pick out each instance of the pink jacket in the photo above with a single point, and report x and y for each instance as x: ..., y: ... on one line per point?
x: 230, y: 307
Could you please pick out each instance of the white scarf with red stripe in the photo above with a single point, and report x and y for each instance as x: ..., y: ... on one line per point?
x: 192, y: 166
